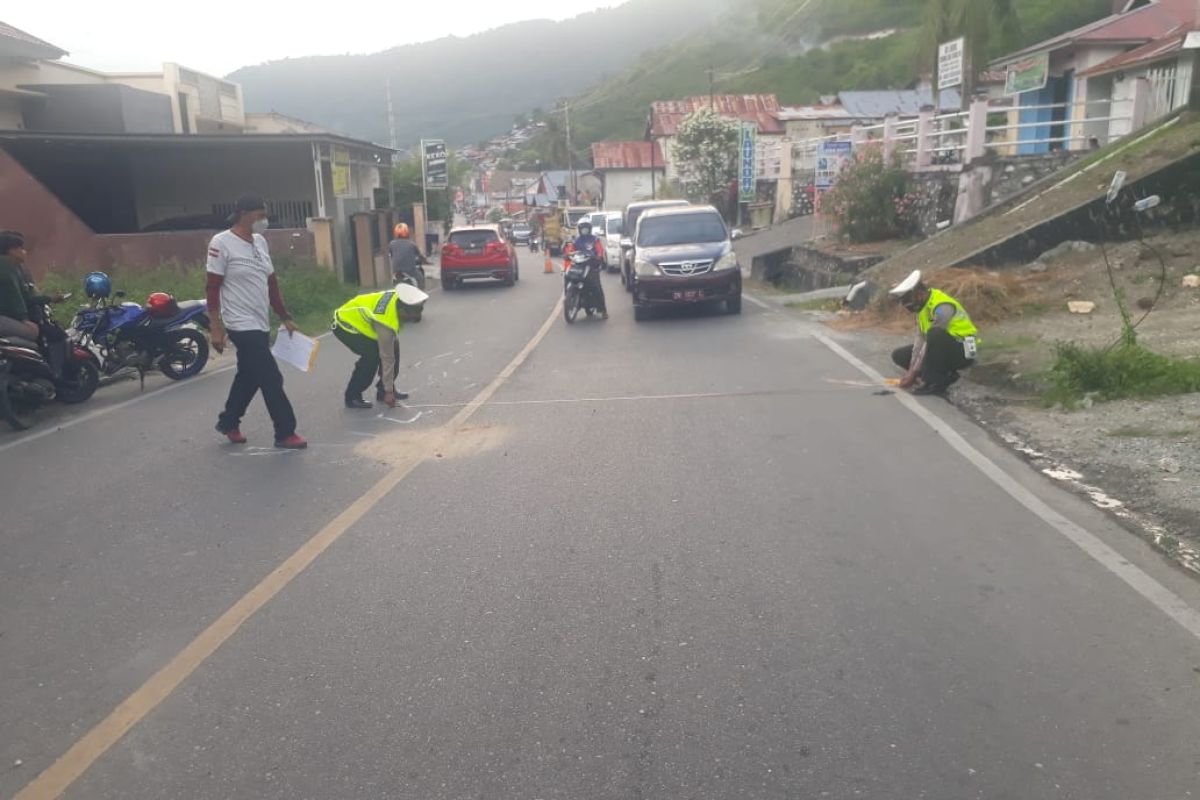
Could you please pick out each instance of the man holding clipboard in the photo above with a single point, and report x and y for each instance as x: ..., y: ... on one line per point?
x: 242, y: 290
x: 368, y: 324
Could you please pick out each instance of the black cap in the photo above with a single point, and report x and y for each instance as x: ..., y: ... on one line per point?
x: 246, y: 203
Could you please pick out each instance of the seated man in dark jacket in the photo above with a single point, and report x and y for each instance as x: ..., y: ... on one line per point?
x: 21, y: 305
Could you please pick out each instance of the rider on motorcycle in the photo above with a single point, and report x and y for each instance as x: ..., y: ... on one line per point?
x: 405, y: 255
x: 585, y: 241
x: 21, y: 305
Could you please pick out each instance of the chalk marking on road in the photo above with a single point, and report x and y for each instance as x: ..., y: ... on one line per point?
x: 91, y: 415
x: 401, y: 421
x: 1163, y: 598
x: 59, y: 776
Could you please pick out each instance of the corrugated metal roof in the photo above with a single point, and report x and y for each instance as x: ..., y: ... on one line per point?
x: 666, y: 115
x: 909, y: 102
x: 1141, y: 25
x: 28, y: 45
x: 626, y: 155
x: 1148, y: 53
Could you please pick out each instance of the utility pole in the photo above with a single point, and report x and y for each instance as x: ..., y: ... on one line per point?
x: 392, y: 142
x: 572, y: 189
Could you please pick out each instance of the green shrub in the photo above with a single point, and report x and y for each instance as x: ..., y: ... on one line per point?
x: 1116, y: 372
x: 872, y: 198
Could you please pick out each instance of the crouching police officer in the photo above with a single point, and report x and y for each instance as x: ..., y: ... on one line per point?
x: 368, y: 324
x: 945, y: 339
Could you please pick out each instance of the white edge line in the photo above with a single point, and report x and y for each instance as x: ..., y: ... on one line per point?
x: 91, y: 415
x: 758, y: 302
x: 1163, y: 598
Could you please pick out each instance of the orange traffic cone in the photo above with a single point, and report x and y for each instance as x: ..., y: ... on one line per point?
x: 549, y: 263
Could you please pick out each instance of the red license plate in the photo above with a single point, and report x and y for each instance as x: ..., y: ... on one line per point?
x: 690, y: 294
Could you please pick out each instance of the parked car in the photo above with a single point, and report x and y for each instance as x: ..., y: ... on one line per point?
x: 684, y: 256
x: 521, y: 231
x: 479, y: 251
x: 629, y: 226
x: 613, y: 225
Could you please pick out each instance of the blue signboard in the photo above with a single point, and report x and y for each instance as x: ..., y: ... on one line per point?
x: 747, y: 181
x: 831, y: 157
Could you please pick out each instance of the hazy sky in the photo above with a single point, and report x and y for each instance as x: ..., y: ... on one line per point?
x: 218, y: 37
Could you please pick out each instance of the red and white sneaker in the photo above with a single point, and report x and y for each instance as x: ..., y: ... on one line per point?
x: 293, y: 442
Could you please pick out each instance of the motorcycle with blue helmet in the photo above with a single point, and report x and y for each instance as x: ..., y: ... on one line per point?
x: 163, y: 333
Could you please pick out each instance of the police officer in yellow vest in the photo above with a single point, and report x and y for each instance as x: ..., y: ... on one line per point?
x: 368, y: 325
x: 945, y: 342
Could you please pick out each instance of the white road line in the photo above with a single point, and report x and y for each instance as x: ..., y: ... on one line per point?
x: 757, y: 302
x: 100, y: 412
x: 1163, y: 598
x: 621, y: 399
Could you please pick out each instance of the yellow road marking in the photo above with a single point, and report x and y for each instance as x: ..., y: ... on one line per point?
x: 59, y: 776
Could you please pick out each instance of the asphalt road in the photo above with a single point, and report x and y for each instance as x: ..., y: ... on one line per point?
x: 696, y: 557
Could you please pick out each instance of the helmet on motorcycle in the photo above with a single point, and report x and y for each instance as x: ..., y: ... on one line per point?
x: 97, y: 285
x: 401, y: 230
x: 585, y: 228
x: 161, y: 304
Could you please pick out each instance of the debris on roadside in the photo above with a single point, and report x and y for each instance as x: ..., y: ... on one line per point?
x: 1191, y: 281
x: 1081, y: 306
x: 1168, y: 464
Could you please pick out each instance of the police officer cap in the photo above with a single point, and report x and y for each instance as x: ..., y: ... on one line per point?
x: 907, y: 285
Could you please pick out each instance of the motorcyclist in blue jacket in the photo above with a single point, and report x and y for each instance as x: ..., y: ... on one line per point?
x: 586, y: 241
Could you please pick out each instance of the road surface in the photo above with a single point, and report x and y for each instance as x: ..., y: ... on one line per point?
x: 697, y: 557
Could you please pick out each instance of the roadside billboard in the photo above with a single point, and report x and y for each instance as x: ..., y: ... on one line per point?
x: 950, y: 63
x: 436, y: 166
x: 831, y: 157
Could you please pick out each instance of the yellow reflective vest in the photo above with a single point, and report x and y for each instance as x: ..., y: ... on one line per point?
x: 358, y: 313
x: 960, y: 325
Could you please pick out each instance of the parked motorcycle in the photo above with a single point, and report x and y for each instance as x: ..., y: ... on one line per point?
x: 165, y: 333
x: 27, y: 381
x: 577, y: 294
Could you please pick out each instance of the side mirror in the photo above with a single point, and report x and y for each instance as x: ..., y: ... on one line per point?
x: 737, y: 234
x: 626, y: 244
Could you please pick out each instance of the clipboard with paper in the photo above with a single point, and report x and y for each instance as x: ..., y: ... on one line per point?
x: 298, y: 350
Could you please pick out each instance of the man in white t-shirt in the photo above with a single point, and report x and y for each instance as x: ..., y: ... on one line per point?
x: 242, y: 290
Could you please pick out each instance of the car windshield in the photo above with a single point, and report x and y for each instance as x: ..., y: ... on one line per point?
x: 573, y: 217
x: 598, y: 227
x: 681, y: 229
x: 472, y: 240
x: 521, y: 227
x: 614, y: 225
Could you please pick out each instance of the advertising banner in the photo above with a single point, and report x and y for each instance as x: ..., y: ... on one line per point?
x: 747, y: 179
x: 831, y: 157
x: 437, y: 166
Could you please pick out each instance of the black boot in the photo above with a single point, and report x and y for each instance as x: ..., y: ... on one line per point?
x: 358, y: 402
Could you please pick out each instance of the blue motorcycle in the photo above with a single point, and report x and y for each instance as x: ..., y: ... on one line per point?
x: 165, y: 333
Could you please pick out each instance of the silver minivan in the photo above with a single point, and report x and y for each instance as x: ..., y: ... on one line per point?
x: 629, y: 226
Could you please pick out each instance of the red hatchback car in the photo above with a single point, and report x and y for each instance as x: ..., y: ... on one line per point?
x: 479, y: 251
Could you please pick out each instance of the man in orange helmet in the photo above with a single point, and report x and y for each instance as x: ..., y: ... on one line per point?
x: 405, y: 255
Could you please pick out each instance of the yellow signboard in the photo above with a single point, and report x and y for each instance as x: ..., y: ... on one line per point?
x: 340, y: 163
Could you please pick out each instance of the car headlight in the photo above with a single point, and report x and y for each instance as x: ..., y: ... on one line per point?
x: 727, y: 261
x: 645, y: 269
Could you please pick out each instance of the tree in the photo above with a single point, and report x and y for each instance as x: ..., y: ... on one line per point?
x: 706, y: 150
x: 988, y: 26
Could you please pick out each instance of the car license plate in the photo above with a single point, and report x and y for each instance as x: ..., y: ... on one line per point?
x: 689, y: 294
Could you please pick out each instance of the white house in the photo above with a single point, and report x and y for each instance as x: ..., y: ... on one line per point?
x: 630, y: 171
